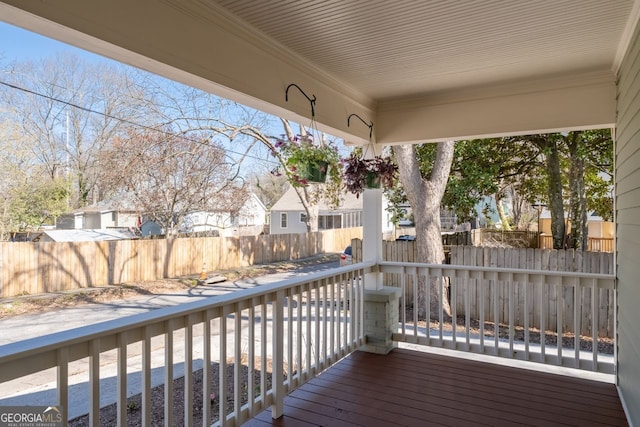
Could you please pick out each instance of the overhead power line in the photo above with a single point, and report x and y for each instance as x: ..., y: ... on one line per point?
x: 129, y: 122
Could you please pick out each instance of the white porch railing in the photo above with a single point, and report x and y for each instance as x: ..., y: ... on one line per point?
x: 493, y: 292
x: 288, y: 332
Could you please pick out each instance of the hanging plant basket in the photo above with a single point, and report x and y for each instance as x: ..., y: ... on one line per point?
x: 361, y: 173
x: 315, y: 172
x: 373, y: 180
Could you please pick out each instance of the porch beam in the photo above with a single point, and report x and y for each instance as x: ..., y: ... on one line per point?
x: 581, y: 101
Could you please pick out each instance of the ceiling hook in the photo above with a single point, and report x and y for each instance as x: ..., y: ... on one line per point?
x: 369, y: 125
x: 311, y: 100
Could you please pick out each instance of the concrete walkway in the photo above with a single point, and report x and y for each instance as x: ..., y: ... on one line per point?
x: 40, y: 389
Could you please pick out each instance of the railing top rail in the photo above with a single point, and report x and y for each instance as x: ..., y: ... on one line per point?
x: 569, y: 274
x: 88, y: 333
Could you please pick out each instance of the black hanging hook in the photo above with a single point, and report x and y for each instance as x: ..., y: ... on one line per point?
x: 369, y: 125
x: 311, y: 100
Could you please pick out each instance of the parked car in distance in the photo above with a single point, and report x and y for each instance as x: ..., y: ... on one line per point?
x: 345, y: 257
x: 405, y: 238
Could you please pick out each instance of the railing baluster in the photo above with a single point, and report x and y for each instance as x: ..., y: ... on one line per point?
x: 168, y: 373
x: 325, y: 307
x: 121, y: 396
x: 481, y: 282
x: 309, y: 341
x: 299, y: 354
x: 467, y: 308
x: 237, y: 362
x: 577, y: 326
x: 251, y: 359
x: 345, y: 315
x: 62, y: 382
x: 560, y: 319
x: 454, y: 308
x: 525, y: 285
x: 496, y: 315
x: 277, y: 408
x: 403, y: 307
x: 360, y: 306
x: 332, y: 346
x: 222, y: 369
x: 206, y: 371
x: 543, y: 319
x: 289, y: 342
x: 415, y: 285
x: 440, y: 303
x: 94, y: 382
x: 146, y: 377
x: 188, y: 371
x: 512, y: 330
x: 264, y: 323
x: 317, y: 314
x: 341, y: 317
x: 595, y: 303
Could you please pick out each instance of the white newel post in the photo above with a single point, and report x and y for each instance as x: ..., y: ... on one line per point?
x: 380, y: 302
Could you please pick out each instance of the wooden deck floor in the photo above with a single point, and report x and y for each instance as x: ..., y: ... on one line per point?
x: 418, y: 389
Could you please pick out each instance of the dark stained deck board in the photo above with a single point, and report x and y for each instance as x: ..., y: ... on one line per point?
x: 416, y: 389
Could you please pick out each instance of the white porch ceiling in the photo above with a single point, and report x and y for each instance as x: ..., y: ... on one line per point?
x: 421, y: 70
x: 390, y: 49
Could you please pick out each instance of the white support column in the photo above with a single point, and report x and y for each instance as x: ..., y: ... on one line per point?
x: 372, y: 234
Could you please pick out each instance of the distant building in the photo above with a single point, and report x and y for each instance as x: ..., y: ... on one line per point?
x: 288, y: 216
x: 250, y: 220
x: 98, y: 217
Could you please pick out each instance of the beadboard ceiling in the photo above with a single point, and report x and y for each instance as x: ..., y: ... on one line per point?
x: 389, y: 49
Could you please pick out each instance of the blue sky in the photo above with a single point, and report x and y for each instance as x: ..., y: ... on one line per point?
x: 19, y: 44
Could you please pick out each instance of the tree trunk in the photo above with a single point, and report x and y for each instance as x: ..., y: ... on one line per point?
x: 312, y: 210
x: 503, y: 218
x: 424, y: 196
x: 578, y: 201
x: 556, y: 203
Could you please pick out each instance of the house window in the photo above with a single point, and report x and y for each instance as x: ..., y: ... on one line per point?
x: 303, y: 218
x: 283, y: 220
x: 113, y: 216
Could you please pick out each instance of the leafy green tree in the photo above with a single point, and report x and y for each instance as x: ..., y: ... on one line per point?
x: 565, y: 171
x: 577, y: 167
x: 37, y: 202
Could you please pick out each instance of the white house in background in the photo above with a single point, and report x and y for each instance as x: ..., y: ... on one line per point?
x: 287, y: 215
x: 250, y: 220
x: 98, y: 217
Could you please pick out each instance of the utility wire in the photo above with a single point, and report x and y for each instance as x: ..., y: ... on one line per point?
x: 151, y: 128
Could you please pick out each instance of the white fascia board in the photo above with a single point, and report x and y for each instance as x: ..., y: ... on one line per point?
x: 571, y: 103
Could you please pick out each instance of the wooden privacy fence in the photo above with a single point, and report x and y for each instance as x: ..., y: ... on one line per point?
x: 594, y: 244
x: 34, y: 268
x: 521, y: 258
x: 515, y: 238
